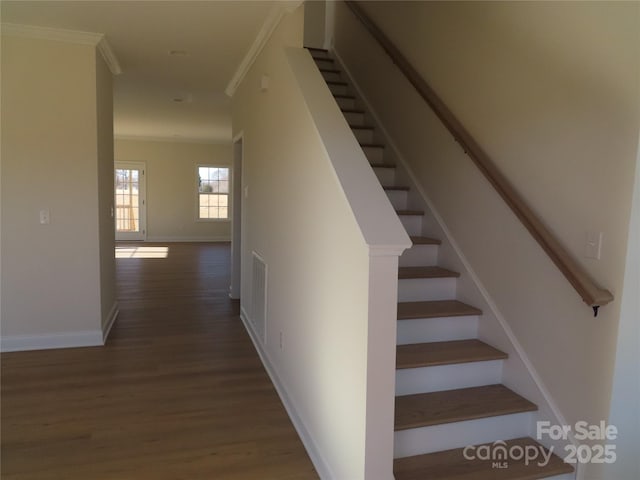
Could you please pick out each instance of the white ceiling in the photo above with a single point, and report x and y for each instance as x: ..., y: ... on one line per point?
x: 216, y: 35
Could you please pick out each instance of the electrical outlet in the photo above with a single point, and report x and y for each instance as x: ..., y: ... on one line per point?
x: 593, y: 246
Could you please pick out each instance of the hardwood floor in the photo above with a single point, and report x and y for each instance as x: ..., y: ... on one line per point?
x: 178, y: 392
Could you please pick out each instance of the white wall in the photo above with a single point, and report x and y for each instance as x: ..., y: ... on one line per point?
x: 51, y: 274
x: 625, y: 403
x: 314, y: 23
x: 330, y: 333
x: 171, y: 187
x: 550, y: 90
x: 106, y: 227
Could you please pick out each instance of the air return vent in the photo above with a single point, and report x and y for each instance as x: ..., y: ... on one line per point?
x: 259, y: 297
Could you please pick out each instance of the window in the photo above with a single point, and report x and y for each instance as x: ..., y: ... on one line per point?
x: 213, y: 193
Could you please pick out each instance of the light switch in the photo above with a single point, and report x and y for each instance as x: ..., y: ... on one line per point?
x: 45, y: 217
x: 593, y: 246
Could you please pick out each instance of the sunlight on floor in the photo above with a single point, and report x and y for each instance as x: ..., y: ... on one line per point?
x: 142, y: 252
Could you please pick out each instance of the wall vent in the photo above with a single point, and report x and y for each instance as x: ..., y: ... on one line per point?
x: 259, y: 297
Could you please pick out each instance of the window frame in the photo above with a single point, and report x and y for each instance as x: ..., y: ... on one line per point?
x: 141, y: 235
x: 197, y: 193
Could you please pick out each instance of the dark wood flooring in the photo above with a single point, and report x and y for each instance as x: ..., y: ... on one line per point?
x: 178, y: 392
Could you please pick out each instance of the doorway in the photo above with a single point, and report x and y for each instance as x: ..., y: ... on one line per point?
x: 130, y: 201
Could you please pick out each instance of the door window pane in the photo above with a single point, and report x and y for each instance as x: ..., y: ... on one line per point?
x: 127, y: 200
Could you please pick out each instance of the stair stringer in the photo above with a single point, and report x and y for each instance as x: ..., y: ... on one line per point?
x: 518, y: 372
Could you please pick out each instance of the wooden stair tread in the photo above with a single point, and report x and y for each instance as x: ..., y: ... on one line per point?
x: 352, y: 110
x: 436, y: 408
x: 425, y: 272
x: 349, y: 97
x: 434, y: 309
x: 394, y: 188
x: 371, y: 145
x: 452, y: 465
x: 337, y: 82
x: 445, y: 353
x: 329, y: 70
x: 361, y: 127
x: 417, y: 240
x: 315, y: 49
x: 417, y: 213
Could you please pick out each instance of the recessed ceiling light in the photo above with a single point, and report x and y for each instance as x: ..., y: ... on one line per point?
x: 177, y: 53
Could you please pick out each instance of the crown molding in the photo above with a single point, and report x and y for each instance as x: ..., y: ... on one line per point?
x: 97, y: 40
x: 279, y: 10
x: 104, y: 47
x: 48, y: 33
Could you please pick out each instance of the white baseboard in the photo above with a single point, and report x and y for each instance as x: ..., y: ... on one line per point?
x: 111, y: 319
x: 171, y: 239
x: 18, y: 343
x: 86, y: 338
x: 322, y: 467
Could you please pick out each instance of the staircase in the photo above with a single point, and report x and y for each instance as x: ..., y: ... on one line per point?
x: 448, y: 390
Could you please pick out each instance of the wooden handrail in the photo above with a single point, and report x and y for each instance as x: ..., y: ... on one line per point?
x: 591, y: 293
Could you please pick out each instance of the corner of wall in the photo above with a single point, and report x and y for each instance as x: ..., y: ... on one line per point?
x: 109, y: 321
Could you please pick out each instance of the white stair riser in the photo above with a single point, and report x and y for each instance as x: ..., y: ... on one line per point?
x: 331, y: 76
x: 356, y: 119
x: 412, y: 224
x: 441, y: 329
x: 417, y: 441
x: 363, y: 135
x: 338, y: 89
x: 448, y: 377
x: 426, y: 289
x: 398, y: 198
x: 419, y: 256
x: 374, y: 155
x: 346, y: 103
x: 386, y: 176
